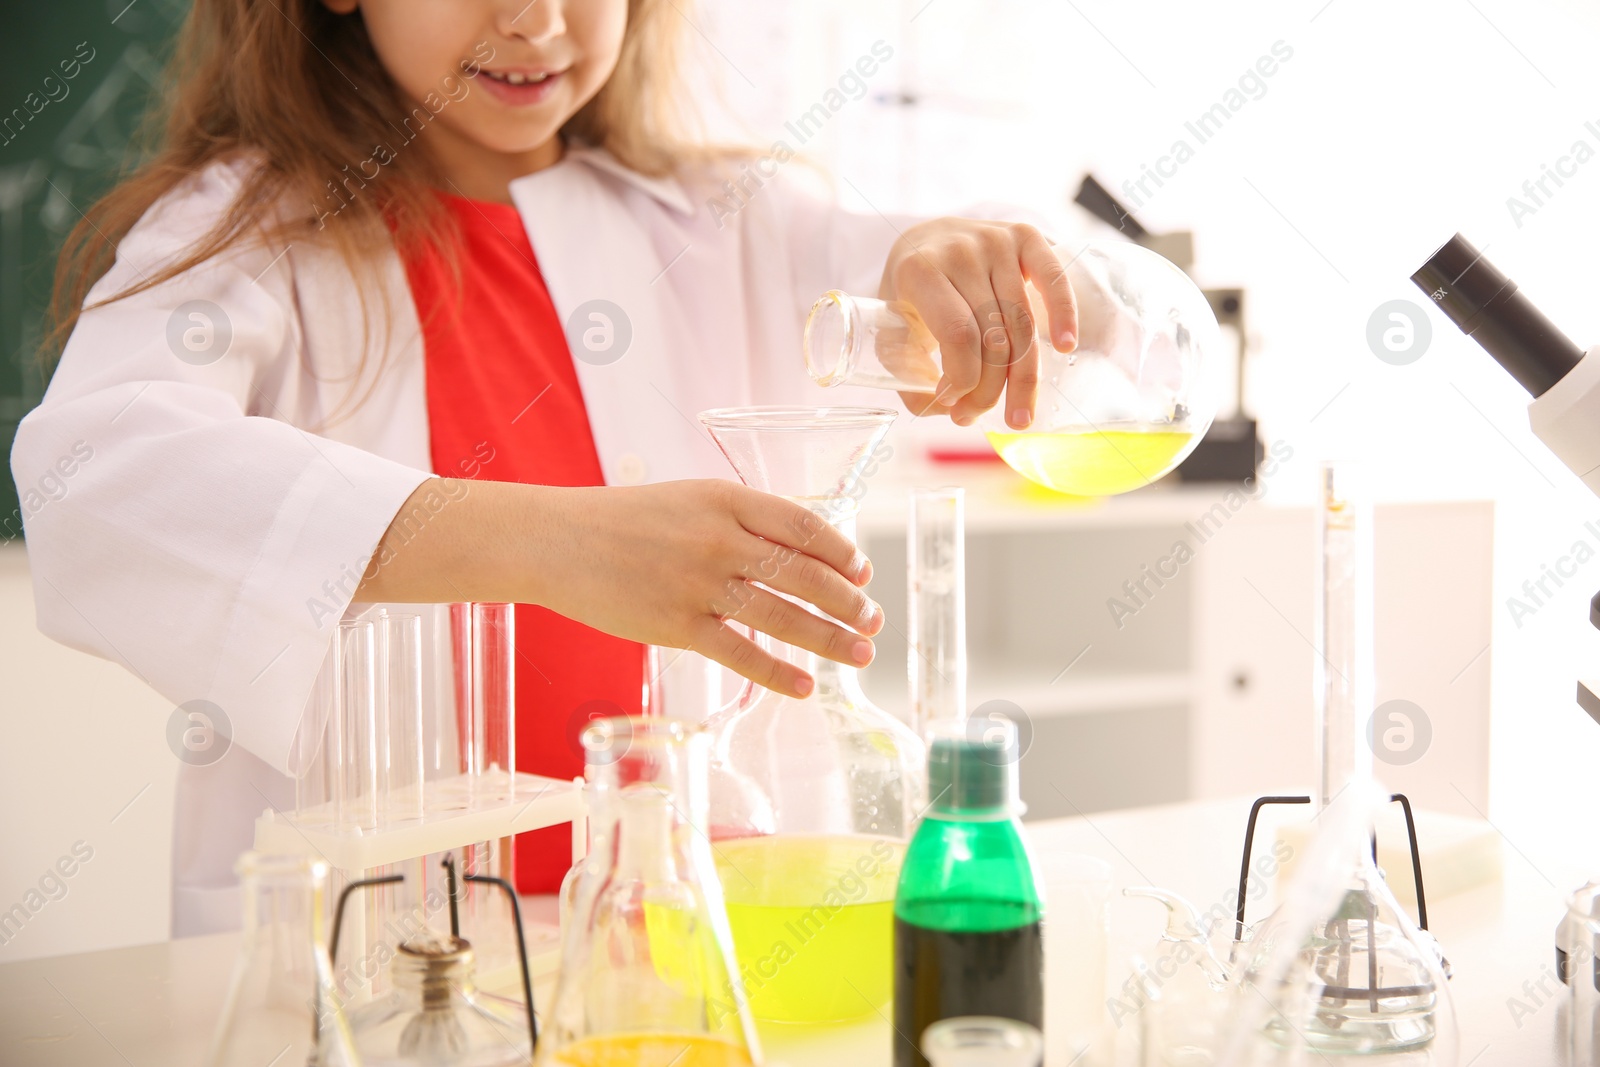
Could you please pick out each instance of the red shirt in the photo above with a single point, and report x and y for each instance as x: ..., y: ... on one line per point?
x: 501, y: 384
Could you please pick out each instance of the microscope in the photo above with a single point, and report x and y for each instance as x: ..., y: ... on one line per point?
x: 1563, y: 379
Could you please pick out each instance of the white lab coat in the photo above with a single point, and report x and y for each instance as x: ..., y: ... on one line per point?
x: 220, y: 502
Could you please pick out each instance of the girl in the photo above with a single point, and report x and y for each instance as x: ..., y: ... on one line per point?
x: 416, y: 301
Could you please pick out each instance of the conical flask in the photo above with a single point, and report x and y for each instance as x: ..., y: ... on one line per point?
x: 812, y: 799
x: 1339, y: 967
x: 1345, y: 967
x: 647, y: 973
x: 281, y: 1007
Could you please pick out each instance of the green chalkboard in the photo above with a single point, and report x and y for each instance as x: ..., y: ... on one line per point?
x: 75, y: 79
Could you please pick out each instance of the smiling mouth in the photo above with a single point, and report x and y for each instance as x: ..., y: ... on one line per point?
x: 516, y: 78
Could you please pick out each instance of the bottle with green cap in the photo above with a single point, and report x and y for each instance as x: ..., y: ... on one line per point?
x: 968, y: 936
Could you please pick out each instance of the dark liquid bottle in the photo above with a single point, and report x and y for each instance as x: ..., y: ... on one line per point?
x: 968, y: 933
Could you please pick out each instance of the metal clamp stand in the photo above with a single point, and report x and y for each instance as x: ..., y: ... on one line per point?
x: 1249, y: 843
x: 448, y: 863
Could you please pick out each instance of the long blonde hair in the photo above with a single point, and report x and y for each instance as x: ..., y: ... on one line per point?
x: 273, y: 78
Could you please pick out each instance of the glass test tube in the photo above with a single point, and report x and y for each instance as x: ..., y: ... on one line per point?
x: 484, y: 639
x: 400, y: 719
x: 358, y: 725
x: 317, y: 742
x: 936, y: 584
x: 1343, y: 671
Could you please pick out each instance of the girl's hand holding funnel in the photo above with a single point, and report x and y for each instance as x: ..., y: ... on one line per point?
x: 670, y: 564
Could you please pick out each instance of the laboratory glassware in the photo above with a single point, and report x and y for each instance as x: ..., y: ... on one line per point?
x: 281, y: 1005
x: 1077, y: 891
x: 812, y: 800
x: 1120, y: 410
x: 647, y: 965
x: 1327, y: 972
x: 1183, y: 989
x: 982, y: 1041
x: 936, y: 584
x: 434, y: 1014
x: 405, y: 756
x: 1579, y: 968
x: 968, y: 934
x: 1367, y: 979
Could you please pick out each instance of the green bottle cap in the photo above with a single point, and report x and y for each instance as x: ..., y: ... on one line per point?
x: 972, y: 769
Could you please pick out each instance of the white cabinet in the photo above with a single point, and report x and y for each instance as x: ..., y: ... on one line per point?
x: 1253, y: 629
x: 1157, y: 647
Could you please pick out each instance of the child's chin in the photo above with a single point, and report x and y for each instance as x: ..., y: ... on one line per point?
x: 516, y: 139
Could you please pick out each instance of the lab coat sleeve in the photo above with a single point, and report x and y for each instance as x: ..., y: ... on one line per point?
x: 176, y: 523
x: 831, y: 248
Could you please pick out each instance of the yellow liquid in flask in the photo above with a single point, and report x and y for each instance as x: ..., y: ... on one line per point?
x: 1091, y: 462
x: 813, y: 923
x: 652, y: 1050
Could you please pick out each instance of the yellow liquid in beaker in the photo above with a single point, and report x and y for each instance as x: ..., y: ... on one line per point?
x: 652, y: 1050
x: 813, y: 923
x: 1091, y: 462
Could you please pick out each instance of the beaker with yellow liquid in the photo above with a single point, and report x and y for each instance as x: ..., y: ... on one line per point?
x: 812, y: 800
x: 1124, y: 407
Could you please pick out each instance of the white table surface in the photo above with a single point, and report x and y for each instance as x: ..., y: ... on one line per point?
x: 154, y: 1005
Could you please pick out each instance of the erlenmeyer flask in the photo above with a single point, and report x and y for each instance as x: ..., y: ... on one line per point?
x: 1364, y: 978
x: 813, y: 799
x: 647, y: 974
x: 281, y: 1006
x: 1339, y: 968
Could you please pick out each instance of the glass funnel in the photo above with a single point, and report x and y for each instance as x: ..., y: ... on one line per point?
x: 1120, y: 410
x: 647, y: 974
x: 281, y: 1007
x: 812, y: 800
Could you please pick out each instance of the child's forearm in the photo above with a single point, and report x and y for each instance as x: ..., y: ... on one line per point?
x: 457, y: 540
x: 668, y: 564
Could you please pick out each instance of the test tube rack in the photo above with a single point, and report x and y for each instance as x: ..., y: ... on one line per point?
x: 406, y: 751
x: 457, y: 812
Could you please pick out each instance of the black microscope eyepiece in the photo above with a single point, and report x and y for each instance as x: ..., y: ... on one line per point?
x: 1488, y: 308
